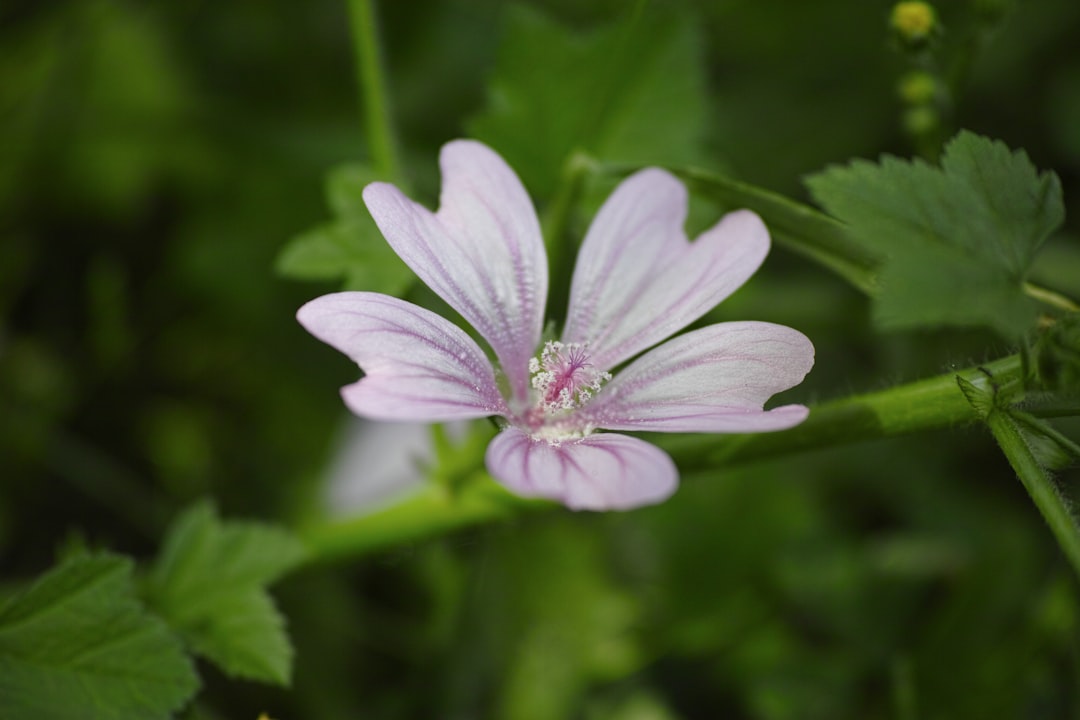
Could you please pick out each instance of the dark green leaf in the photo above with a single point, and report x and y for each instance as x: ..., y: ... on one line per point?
x: 632, y: 93
x: 209, y: 584
x: 958, y: 240
x: 78, y: 645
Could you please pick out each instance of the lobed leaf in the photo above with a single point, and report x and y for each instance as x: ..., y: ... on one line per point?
x: 79, y: 645
x: 957, y: 240
x: 209, y: 584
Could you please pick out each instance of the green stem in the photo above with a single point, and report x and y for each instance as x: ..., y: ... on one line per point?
x: 927, y: 404
x: 380, y: 135
x: 432, y: 511
x: 556, y: 222
x: 1038, y: 483
x: 903, y: 689
x: 1050, y: 297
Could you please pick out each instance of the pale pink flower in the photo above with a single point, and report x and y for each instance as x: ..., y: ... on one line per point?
x: 637, y: 281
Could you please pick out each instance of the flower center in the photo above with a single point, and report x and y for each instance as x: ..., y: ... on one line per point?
x: 563, y: 376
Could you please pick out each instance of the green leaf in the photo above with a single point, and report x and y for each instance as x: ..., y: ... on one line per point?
x: 631, y: 93
x: 350, y: 247
x: 958, y: 241
x: 209, y: 584
x: 78, y: 645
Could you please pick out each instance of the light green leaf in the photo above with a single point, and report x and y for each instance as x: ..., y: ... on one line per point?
x: 958, y: 240
x: 632, y: 93
x: 78, y: 645
x: 209, y: 583
x: 350, y: 247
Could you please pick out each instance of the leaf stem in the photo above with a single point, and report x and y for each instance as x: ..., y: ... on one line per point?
x: 1050, y: 298
x: 1038, y: 483
x: 378, y: 126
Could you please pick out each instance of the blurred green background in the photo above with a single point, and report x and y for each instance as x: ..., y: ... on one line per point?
x: 155, y: 158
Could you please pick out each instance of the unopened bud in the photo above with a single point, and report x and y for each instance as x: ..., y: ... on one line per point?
x: 914, y: 22
x: 921, y: 120
x: 917, y: 88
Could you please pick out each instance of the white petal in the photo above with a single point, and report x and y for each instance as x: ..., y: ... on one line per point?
x: 482, y: 252
x: 417, y: 365
x: 638, y: 279
x: 604, y: 471
x: 715, y: 379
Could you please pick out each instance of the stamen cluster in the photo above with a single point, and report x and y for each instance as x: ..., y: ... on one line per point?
x: 563, y: 376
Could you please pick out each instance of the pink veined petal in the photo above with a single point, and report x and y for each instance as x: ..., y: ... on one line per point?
x: 482, y: 252
x: 417, y: 365
x: 604, y: 471
x: 638, y: 279
x: 715, y: 379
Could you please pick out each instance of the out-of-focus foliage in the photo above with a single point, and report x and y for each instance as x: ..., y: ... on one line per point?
x: 555, y: 90
x: 350, y: 247
x: 158, y: 157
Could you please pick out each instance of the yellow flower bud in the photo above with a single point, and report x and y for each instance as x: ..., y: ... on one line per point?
x: 913, y: 21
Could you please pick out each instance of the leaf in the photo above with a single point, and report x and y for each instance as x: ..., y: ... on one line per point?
x: 632, y: 93
x: 351, y: 246
x: 209, y: 584
x: 958, y: 240
x: 78, y: 645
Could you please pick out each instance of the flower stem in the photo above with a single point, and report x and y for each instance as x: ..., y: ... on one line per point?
x: 371, y: 74
x: 933, y: 403
x: 430, y: 512
x: 928, y: 404
x: 556, y: 224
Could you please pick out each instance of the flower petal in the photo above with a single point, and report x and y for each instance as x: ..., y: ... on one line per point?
x: 417, y: 365
x: 482, y: 252
x: 638, y: 279
x: 715, y: 379
x: 604, y: 471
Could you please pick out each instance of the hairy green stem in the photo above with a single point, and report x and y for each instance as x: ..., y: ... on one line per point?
x: 923, y: 405
x: 430, y: 512
x: 1038, y: 482
x: 376, y: 106
x: 929, y: 404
